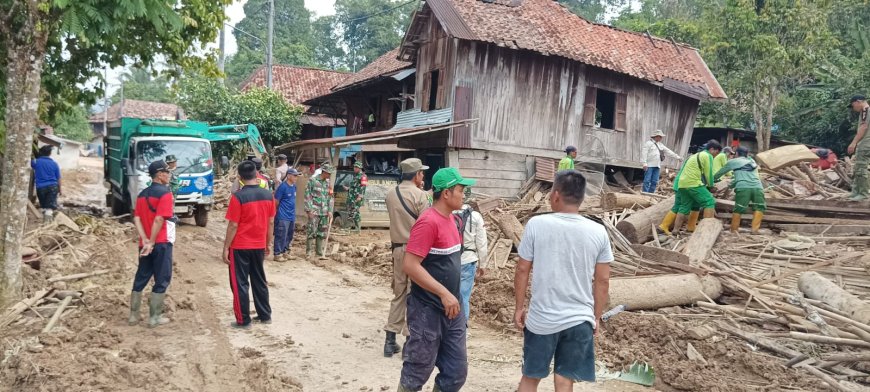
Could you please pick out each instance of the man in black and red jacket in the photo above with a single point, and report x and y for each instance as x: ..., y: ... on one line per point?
x: 156, y: 234
x: 250, y: 230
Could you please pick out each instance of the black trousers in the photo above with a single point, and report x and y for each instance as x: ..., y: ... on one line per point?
x: 47, y: 197
x: 247, y: 264
x: 158, y: 264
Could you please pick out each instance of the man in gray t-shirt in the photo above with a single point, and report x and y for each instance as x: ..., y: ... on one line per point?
x: 571, y: 258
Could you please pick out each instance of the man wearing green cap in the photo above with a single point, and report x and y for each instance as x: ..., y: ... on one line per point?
x: 318, y: 206
x: 355, y: 194
x: 860, y: 147
x: 433, y: 262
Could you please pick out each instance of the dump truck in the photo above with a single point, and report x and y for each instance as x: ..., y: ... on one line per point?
x: 132, y: 144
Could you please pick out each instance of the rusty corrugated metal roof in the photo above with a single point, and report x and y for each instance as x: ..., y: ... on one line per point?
x: 546, y: 27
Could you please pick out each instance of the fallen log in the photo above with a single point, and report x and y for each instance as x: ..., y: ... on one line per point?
x: 863, y: 356
x: 57, y: 313
x: 781, y: 157
x: 78, y: 276
x: 13, y: 312
x: 636, y: 228
x: 702, y: 241
x: 618, y: 201
x: 511, y: 227
x: 654, y: 292
x: 796, y: 219
x: 817, y: 287
x: 828, y: 340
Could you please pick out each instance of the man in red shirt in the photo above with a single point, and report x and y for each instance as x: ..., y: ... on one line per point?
x: 433, y: 262
x: 250, y: 229
x: 153, y: 210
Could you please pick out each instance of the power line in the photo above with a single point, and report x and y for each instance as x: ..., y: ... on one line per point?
x: 379, y: 13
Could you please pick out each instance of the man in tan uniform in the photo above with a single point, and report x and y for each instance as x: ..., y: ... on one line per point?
x: 404, y: 204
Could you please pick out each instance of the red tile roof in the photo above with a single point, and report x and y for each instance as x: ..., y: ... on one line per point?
x: 549, y: 28
x: 387, y: 64
x: 141, y: 109
x: 296, y: 84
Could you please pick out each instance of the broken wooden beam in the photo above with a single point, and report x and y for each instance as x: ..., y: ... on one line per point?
x: 807, y: 337
x: 702, y: 240
x: 636, y: 228
x: 511, y: 227
x: 660, y: 291
x: 57, y: 313
x: 769, y: 219
x: 79, y: 276
x: 818, y: 287
x: 18, y: 308
x: 619, y: 201
x: 833, y: 230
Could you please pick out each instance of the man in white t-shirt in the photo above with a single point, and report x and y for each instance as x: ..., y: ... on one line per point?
x: 571, y: 258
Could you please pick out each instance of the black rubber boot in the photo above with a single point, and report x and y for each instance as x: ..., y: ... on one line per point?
x: 390, y: 345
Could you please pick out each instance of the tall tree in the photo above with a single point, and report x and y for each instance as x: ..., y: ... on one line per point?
x: 762, y: 50
x: 141, y: 84
x: 74, y: 38
x: 72, y: 124
x: 371, y: 28
x: 595, y: 10
x: 328, y: 52
x: 292, y: 43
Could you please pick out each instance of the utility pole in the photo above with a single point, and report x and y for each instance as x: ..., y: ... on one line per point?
x: 222, y: 56
x: 269, y: 44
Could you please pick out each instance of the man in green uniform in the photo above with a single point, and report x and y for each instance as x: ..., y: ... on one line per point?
x: 174, y: 184
x: 356, y: 194
x: 748, y: 190
x: 318, y: 206
x: 860, y: 147
x: 692, y: 190
x: 567, y: 163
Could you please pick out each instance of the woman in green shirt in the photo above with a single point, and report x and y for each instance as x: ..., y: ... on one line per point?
x: 567, y: 163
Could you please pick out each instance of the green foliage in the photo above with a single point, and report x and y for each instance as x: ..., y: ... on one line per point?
x: 371, y: 27
x: 594, y: 10
x: 141, y: 84
x: 328, y: 52
x: 73, y: 124
x: 206, y: 99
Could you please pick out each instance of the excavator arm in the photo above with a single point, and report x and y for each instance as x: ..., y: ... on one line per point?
x: 248, y: 132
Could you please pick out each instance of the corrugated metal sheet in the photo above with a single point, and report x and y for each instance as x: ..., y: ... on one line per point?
x: 415, y: 118
x: 545, y: 169
x: 450, y: 19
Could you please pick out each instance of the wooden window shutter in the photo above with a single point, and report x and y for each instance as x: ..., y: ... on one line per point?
x: 424, y: 95
x: 442, y: 99
x: 589, y: 106
x: 620, y: 122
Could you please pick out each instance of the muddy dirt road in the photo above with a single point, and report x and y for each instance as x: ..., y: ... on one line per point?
x: 327, y: 324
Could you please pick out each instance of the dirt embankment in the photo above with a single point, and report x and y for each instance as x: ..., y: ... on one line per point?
x: 93, y: 349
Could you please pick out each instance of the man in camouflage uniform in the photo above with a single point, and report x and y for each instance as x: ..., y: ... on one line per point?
x: 860, y: 147
x: 318, y: 206
x: 356, y: 194
x: 174, y: 183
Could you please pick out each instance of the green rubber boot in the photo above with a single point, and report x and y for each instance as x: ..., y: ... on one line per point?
x: 402, y: 388
x: 319, y: 245
x: 135, y: 305
x: 156, y: 310
x: 308, y: 248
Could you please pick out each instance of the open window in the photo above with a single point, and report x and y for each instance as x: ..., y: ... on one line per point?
x: 434, y: 82
x: 605, y: 109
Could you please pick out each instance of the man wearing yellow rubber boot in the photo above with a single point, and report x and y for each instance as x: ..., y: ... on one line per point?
x: 691, y: 186
x: 748, y: 190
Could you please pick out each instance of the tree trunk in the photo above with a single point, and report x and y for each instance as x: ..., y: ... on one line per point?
x: 26, y: 53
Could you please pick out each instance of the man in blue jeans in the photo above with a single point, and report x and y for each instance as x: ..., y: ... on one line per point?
x: 474, y: 253
x: 571, y: 259
x: 654, y: 152
x: 46, y: 177
x: 285, y: 219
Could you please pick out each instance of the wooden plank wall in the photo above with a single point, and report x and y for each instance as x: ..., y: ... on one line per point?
x: 435, y: 53
x: 524, y: 99
x: 497, y: 173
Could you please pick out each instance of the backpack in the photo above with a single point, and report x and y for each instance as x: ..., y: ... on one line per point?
x: 462, y: 219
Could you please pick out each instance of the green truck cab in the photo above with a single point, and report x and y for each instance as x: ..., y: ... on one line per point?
x: 132, y: 144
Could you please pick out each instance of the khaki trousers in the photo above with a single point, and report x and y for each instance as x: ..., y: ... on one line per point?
x: 401, y: 285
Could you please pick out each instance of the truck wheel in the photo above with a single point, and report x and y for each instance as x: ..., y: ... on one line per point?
x: 200, y: 215
x: 118, y: 207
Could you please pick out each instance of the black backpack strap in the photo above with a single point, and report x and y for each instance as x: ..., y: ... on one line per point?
x: 407, y: 209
